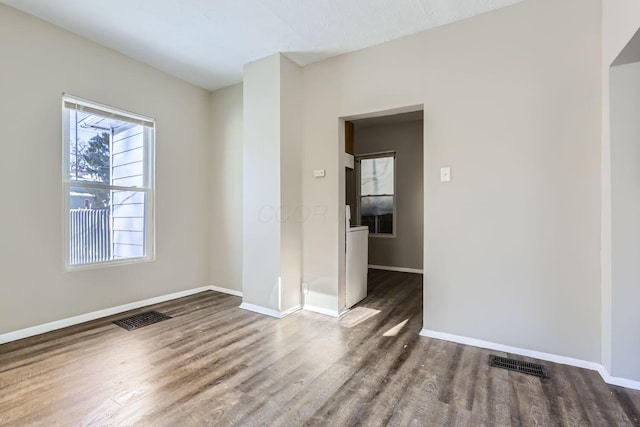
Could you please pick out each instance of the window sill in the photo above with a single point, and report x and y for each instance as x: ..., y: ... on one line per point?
x: 106, y: 264
x: 383, y: 236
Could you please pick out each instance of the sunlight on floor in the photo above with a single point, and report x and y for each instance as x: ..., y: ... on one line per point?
x: 394, y: 331
x: 357, y: 316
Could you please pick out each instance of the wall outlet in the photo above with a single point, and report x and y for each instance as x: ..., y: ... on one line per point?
x: 305, y: 288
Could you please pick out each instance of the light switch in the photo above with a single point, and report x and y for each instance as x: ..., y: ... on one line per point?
x: 319, y: 173
x: 445, y: 174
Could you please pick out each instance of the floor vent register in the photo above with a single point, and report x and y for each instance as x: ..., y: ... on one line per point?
x: 141, y: 320
x: 518, y: 366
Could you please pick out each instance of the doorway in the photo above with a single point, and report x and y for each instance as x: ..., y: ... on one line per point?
x: 383, y: 186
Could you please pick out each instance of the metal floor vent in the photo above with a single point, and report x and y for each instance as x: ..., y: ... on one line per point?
x: 518, y: 366
x: 140, y: 320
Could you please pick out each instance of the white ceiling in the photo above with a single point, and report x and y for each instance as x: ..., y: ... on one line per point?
x: 206, y: 42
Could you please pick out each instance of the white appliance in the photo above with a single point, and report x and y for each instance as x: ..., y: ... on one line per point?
x: 357, y: 257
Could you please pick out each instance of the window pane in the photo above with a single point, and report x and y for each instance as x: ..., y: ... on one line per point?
x: 385, y: 224
x: 105, y: 225
x: 128, y: 156
x: 105, y: 150
x: 376, y: 205
x: 377, y: 213
x: 376, y: 176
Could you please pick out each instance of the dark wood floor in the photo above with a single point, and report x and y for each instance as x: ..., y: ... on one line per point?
x: 214, y: 364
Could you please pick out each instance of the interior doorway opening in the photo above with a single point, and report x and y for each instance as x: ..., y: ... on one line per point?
x: 382, y: 197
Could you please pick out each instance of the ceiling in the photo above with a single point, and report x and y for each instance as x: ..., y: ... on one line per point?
x: 207, y: 42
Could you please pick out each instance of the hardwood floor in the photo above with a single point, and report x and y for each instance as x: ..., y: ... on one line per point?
x: 215, y: 364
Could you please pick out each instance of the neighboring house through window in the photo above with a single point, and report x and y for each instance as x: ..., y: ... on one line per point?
x: 108, y: 169
x: 376, y: 198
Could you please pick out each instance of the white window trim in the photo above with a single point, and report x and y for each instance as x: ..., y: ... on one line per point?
x: 376, y: 155
x: 148, y: 189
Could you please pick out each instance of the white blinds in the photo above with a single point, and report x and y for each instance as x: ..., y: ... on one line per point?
x: 77, y: 104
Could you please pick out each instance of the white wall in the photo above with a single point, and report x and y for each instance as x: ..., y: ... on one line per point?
x: 39, y: 63
x: 261, y: 183
x: 620, y: 21
x: 514, y: 110
x: 225, y: 200
x: 291, y: 211
x: 405, y: 249
x: 272, y: 155
x: 625, y: 210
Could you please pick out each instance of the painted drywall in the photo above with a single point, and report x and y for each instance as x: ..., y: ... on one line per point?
x: 291, y: 211
x: 39, y: 63
x: 631, y: 52
x: 272, y: 153
x: 405, y: 249
x: 625, y: 211
x: 261, y: 183
x: 512, y: 243
x: 620, y: 21
x: 225, y: 197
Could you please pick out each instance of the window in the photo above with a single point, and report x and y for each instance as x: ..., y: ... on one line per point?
x: 376, y: 201
x: 108, y: 177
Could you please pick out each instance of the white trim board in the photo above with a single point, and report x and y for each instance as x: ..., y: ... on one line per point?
x: 292, y: 310
x: 400, y: 269
x: 70, y: 321
x: 320, y: 310
x: 623, y: 382
x: 226, y: 291
x: 268, y: 311
x: 87, y: 317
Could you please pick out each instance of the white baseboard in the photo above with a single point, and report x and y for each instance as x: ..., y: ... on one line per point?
x: 260, y: 309
x: 291, y: 310
x: 508, y: 349
x: 623, y: 382
x: 63, y: 323
x: 325, y: 311
x: 268, y: 311
x: 400, y: 269
x: 226, y: 291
